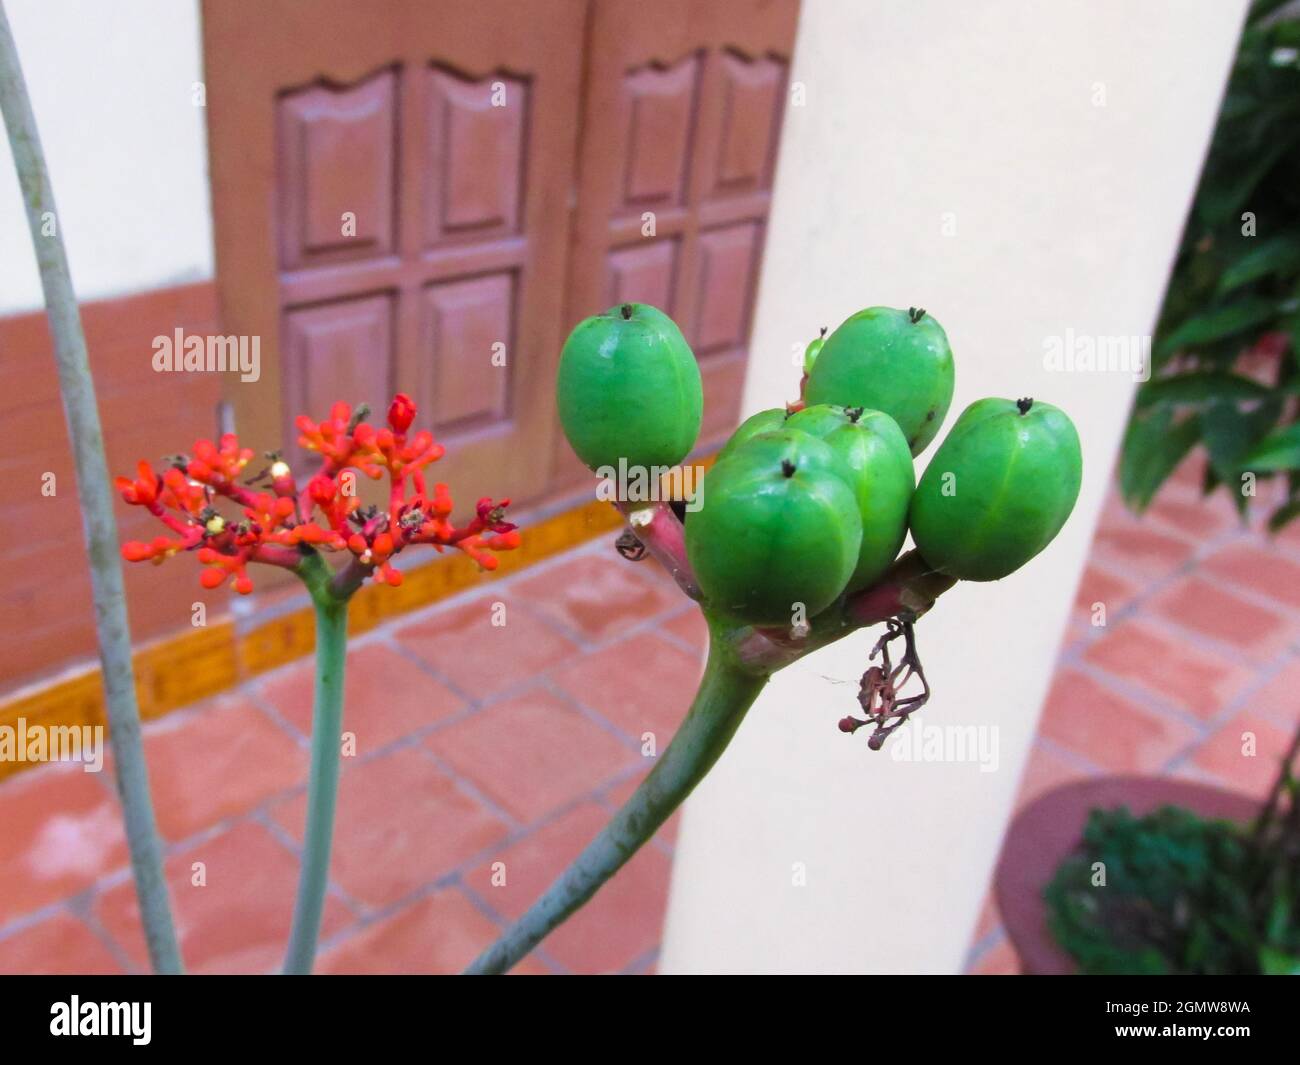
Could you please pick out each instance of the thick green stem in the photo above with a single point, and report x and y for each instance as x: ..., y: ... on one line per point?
x: 725, y: 694
x: 82, y: 414
x: 323, y: 782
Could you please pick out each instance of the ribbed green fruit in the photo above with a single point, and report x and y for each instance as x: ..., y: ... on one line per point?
x: 629, y: 389
x: 894, y: 361
x: 872, y: 449
x: 778, y: 531
x: 813, y: 349
x: 765, y: 421
x: 998, y: 490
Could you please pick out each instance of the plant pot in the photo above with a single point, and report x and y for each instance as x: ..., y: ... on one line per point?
x: 1051, y: 827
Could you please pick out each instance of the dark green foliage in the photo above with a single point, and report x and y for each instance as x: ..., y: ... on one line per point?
x: 1182, y: 895
x: 1231, y: 290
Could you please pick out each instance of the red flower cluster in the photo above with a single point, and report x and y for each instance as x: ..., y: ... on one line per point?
x: 278, y: 526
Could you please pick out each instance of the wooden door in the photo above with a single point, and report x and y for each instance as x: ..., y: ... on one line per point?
x: 681, y: 120
x: 391, y: 186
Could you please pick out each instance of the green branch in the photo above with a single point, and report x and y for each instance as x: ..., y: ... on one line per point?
x: 82, y: 414
x: 323, y: 782
x: 725, y: 695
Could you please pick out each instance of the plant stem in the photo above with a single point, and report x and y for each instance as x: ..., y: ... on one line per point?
x: 725, y: 694
x: 112, y: 628
x: 323, y: 782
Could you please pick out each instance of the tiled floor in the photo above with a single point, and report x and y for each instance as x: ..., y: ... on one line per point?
x: 1193, y: 671
x: 490, y: 746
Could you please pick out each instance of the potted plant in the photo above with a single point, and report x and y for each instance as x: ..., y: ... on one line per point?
x: 1145, y: 875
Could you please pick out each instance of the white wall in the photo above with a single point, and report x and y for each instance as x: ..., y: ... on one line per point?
x: 1067, y: 215
x: 112, y: 88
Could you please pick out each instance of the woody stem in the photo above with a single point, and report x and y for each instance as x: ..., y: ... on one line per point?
x: 725, y: 694
x: 112, y: 627
x: 323, y: 781
x: 741, y: 658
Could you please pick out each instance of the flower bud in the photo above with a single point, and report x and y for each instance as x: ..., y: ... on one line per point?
x: 401, y: 413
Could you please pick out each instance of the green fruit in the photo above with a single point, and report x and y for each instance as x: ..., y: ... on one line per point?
x: 889, y: 360
x: 778, y: 527
x: 813, y: 349
x: 998, y: 489
x: 765, y: 421
x: 872, y: 449
x: 629, y: 389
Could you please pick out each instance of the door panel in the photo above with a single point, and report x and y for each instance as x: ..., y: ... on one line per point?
x: 467, y: 316
x: 335, y: 154
x: 681, y: 120
x: 391, y: 193
x: 474, y: 157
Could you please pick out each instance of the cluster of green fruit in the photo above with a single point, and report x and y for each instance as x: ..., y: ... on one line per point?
x: 802, y: 508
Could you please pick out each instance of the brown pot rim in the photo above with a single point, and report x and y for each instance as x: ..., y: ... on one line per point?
x: 1050, y: 828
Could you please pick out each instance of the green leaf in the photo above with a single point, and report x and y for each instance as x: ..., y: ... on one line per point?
x: 1280, y: 450
x: 1219, y: 323
x: 1230, y: 434
x: 1199, y: 387
x: 1274, y: 962
x: 1274, y: 256
x: 1283, y: 516
x: 1225, y: 191
x: 1153, y: 447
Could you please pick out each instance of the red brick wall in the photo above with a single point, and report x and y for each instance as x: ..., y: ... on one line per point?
x: 46, y: 621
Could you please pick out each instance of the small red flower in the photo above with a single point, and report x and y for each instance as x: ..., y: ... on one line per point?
x: 276, y: 527
x: 401, y: 413
x: 143, y: 491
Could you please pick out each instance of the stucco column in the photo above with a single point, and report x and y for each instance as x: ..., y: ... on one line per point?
x: 1022, y: 170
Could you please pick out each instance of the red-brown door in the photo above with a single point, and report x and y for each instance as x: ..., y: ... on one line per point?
x: 681, y: 120
x: 391, y: 191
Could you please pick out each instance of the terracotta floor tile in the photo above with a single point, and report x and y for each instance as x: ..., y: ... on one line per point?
x: 1245, y: 753
x: 1187, y: 513
x: 386, y: 696
x: 532, y: 753
x: 401, y: 825
x: 218, y: 762
x: 596, y: 596
x: 1289, y: 534
x: 1102, y: 595
x: 1109, y: 730
x: 1199, y: 606
x: 641, y: 684
x: 1145, y: 553
x: 989, y: 920
x: 691, y: 627
x: 1162, y: 662
x: 1279, y: 699
x: 999, y: 960
x: 1190, y: 473
x: 620, y: 924
x: 482, y: 658
x: 237, y: 921
x: 1259, y: 570
x: 439, y: 935
x: 59, y: 945
x: 60, y: 831
x: 1045, y: 770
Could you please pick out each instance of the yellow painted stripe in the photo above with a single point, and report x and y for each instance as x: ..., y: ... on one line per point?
x: 181, y: 669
